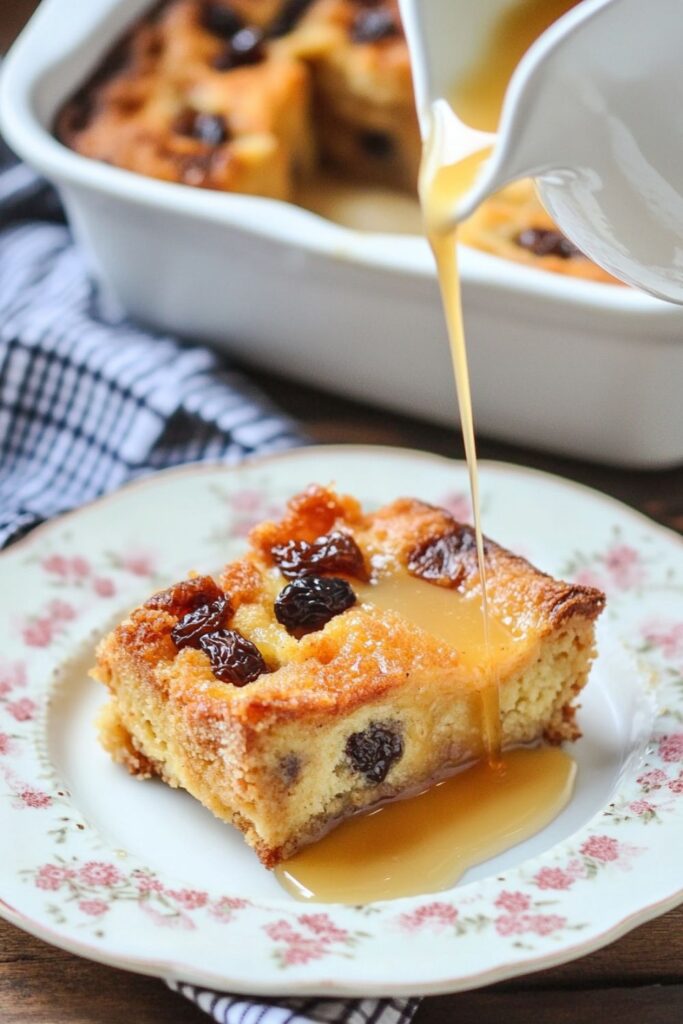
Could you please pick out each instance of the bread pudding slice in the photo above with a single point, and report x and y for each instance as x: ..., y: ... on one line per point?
x: 305, y: 682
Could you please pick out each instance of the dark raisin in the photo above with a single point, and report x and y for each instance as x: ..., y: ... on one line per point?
x: 220, y: 19
x: 208, y: 618
x: 234, y: 659
x: 245, y: 47
x: 308, y: 603
x: 374, y: 751
x: 547, y: 242
x: 373, y: 26
x: 289, y: 768
x: 377, y: 144
x: 445, y: 559
x: 209, y: 128
x: 336, y: 553
x: 184, y: 597
x: 288, y: 17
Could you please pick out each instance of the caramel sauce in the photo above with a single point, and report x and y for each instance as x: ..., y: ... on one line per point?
x: 439, y: 186
x: 477, y: 99
x: 446, y: 614
x: 426, y: 843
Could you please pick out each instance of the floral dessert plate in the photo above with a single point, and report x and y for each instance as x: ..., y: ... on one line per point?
x: 142, y: 877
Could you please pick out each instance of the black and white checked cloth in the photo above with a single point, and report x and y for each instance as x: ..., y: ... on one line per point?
x: 89, y: 400
x: 227, y: 1009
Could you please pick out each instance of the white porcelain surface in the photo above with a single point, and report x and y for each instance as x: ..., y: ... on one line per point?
x: 141, y: 876
x: 592, y: 112
x: 573, y: 366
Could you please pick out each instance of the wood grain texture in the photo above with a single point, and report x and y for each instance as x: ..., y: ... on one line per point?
x: 636, y: 980
x: 652, y: 1004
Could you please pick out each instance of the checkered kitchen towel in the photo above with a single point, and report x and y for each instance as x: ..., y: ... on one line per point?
x: 89, y: 400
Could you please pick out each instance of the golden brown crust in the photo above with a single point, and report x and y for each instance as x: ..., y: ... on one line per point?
x: 315, y: 511
x: 570, y: 600
x: 269, y: 755
x: 146, y: 636
x: 243, y: 581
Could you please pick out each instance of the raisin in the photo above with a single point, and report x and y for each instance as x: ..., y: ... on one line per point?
x: 308, y: 603
x: 374, y: 751
x: 374, y: 25
x: 288, y: 17
x: 547, y: 242
x: 208, y: 618
x: 234, y: 659
x: 245, y: 47
x: 209, y: 128
x: 184, y: 597
x: 289, y: 767
x: 443, y: 560
x: 335, y: 553
x: 219, y: 19
x: 377, y: 144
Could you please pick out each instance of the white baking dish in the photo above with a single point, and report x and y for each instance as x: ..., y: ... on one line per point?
x: 577, y: 367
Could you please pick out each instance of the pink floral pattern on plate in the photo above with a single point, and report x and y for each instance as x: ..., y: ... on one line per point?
x: 91, y: 889
x: 71, y: 882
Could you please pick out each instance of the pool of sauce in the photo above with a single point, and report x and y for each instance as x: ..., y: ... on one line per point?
x: 426, y: 843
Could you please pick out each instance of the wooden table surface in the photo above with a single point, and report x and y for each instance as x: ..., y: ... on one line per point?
x: 637, y: 980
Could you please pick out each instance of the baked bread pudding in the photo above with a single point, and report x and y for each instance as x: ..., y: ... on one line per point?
x: 312, y: 678
x: 256, y: 96
x: 247, y: 95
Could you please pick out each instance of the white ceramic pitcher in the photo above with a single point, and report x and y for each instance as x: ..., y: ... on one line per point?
x: 593, y: 112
